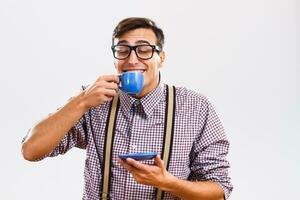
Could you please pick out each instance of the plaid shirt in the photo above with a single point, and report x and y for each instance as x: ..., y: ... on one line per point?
x: 198, y: 151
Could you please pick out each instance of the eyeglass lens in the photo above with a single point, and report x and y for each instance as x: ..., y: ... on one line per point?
x: 142, y: 51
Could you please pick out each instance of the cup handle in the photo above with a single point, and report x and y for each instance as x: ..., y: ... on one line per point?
x: 120, y: 84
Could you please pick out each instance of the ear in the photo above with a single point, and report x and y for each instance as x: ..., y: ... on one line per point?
x: 162, y: 58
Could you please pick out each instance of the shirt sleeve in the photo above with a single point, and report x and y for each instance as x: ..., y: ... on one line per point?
x: 208, y: 160
x: 76, y: 137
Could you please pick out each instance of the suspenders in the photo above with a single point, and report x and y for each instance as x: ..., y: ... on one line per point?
x: 109, y: 137
x: 169, y: 127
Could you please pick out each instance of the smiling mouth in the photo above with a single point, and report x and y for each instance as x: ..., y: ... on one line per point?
x: 137, y: 70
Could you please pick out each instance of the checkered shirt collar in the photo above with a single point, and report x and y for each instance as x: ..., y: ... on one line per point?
x: 148, y: 102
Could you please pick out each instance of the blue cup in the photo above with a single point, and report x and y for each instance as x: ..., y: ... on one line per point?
x: 132, y: 82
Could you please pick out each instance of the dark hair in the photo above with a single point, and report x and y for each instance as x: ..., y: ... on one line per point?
x: 132, y: 23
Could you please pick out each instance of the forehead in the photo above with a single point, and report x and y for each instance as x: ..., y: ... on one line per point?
x: 137, y: 36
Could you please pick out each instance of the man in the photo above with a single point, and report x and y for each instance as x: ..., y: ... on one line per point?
x: 196, y: 169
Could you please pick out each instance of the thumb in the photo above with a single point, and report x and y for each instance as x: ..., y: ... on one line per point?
x: 159, y: 162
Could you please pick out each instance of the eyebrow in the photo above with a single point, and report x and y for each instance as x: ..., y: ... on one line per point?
x: 137, y: 42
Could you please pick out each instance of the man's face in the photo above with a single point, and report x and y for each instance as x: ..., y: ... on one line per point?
x: 150, y: 68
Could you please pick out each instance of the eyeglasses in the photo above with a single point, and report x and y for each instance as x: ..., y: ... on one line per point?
x: 143, y: 51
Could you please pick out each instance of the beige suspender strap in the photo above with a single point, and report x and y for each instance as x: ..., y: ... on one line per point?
x: 108, y: 148
x: 168, y: 131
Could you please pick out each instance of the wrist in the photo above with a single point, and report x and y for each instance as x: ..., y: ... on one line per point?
x: 170, y: 184
x: 79, y: 103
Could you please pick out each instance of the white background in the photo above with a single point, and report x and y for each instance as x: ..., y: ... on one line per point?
x: 243, y: 54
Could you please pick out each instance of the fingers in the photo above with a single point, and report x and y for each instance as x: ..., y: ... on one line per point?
x: 108, y: 92
x: 105, y: 84
x: 128, y: 167
x: 135, y: 164
x: 101, y: 92
x: 145, y: 174
x: 131, y: 164
x: 109, y: 78
x: 104, y: 87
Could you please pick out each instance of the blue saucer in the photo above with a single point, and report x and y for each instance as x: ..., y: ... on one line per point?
x: 139, y: 156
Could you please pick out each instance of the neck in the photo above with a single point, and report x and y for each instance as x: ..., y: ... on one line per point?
x: 147, y: 90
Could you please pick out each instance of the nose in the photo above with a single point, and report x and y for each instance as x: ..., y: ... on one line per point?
x: 133, y: 59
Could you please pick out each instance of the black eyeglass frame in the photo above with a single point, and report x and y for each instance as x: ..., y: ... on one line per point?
x: 154, y: 48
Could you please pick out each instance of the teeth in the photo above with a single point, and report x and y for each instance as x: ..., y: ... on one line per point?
x: 142, y: 71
